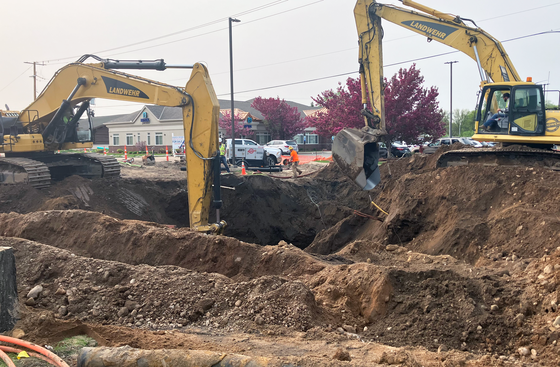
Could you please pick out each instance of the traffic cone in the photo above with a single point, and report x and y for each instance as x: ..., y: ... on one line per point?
x: 125, y: 155
x: 147, y: 150
x: 85, y: 151
x: 104, y: 151
x: 166, y: 154
x: 243, y: 172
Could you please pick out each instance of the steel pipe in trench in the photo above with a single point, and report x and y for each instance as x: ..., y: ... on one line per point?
x: 131, y: 357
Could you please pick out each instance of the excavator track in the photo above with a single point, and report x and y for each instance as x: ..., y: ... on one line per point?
x: 111, y: 167
x: 39, y: 172
x: 26, y: 171
x: 509, y: 156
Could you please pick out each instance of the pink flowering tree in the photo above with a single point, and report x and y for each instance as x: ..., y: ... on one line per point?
x: 240, y: 130
x: 342, y: 106
x: 410, y: 109
x: 281, y: 120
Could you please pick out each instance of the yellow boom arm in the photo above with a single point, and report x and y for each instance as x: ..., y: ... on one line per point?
x: 493, y: 62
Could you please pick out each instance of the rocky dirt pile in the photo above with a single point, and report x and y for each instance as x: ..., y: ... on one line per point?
x: 475, y: 213
x: 466, y: 259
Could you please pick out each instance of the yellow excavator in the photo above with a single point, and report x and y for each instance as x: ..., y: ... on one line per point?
x: 525, y: 124
x: 29, y: 139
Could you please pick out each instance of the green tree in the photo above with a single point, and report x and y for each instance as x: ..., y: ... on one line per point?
x: 550, y: 105
x: 463, y: 122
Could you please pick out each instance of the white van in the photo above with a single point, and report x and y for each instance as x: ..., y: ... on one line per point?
x: 252, y: 153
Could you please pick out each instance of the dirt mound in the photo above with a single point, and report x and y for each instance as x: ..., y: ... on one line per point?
x: 475, y: 213
x: 136, y: 242
x: 364, y: 275
x: 110, y: 292
x: 397, y: 298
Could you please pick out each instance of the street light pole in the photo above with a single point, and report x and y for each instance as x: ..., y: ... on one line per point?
x: 451, y: 100
x: 231, y: 83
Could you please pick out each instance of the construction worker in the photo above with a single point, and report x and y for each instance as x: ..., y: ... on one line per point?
x: 223, y: 159
x: 295, y: 162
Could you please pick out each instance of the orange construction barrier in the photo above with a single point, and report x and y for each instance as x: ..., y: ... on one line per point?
x: 166, y: 154
x: 243, y: 172
x: 125, y: 155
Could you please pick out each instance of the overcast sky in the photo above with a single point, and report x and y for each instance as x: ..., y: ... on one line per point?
x: 277, y: 42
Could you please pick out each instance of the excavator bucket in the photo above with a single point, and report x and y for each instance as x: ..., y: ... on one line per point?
x: 357, y: 154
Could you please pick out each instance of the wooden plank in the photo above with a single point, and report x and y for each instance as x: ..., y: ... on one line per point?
x: 9, y: 305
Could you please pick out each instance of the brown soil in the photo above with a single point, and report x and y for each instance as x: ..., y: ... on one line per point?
x: 309, y: 272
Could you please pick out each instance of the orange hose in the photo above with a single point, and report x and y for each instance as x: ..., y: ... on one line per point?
x: 7, y: 349
x: 47, y: 353
x: 6, y: 359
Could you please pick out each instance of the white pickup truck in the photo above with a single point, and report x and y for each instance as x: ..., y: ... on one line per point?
x: 252, y: 153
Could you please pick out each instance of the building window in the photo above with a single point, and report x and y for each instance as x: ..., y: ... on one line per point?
x: 262, y: 138
x: 129, y: 139
x: 149, y: 139
x: 311, y: 139
x: 159, y: 138
x: 115, y: 139
x: 138, y: 138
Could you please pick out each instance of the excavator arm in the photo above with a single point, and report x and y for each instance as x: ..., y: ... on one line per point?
x: 50, y: 120
x: 493, y: 62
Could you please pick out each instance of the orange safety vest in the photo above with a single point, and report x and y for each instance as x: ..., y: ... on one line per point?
x: 294, y: 156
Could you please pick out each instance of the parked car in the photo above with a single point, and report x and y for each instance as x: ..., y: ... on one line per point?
x: 400, y: 150
x: 471, y: 142
x: 397, y: 150
x: 283, y: 145
x: 432, y: 147
x: 252, y: 153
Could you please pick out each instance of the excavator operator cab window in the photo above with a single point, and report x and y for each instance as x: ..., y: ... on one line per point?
x: 494, y: 111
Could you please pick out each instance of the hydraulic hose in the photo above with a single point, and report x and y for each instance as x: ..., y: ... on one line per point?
x: 4, y: 357
x: 7, y: 349
x: 47, y: 353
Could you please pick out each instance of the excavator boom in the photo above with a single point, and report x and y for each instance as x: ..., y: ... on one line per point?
x: 493, y: 61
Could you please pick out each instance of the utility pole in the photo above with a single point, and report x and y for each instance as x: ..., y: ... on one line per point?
x: 34, y: 76
x: 451, y: 100
x: 231, y: 82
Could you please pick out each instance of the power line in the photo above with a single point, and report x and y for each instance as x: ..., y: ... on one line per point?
x: 220, y: 30
x: 386, y: 65
x: 217, y: 21
x: 19, y: 76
